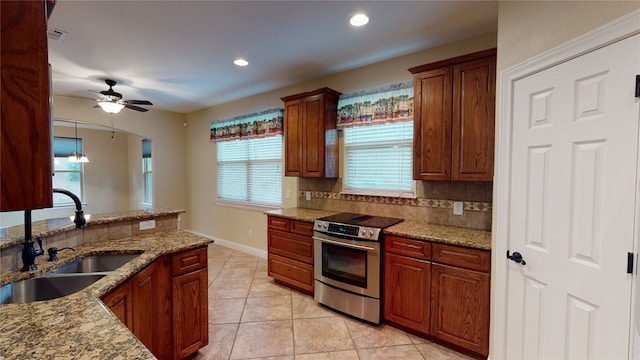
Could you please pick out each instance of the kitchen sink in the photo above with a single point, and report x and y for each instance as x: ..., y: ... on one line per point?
x: 45, y: 287
x: 95, y: 264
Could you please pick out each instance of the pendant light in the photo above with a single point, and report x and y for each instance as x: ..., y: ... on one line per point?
x: 74, y: 156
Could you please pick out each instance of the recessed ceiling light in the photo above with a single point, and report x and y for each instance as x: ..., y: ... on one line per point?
x: 359, y: 20
x: 241, y: 62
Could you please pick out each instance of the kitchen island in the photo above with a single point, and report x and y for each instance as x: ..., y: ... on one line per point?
x: 80, y: 326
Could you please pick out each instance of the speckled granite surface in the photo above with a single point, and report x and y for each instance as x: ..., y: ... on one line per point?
x: 13, y: 235
x: 452, y: 235
x: 79, y: 326
x: 301, y: 214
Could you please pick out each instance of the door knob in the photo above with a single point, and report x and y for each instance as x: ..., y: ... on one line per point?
x: 517, y: 257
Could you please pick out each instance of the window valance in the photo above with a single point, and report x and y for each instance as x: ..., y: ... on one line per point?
x: 259, y: 124
x: 388, y: 104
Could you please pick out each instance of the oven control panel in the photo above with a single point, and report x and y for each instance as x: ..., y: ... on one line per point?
x: 347, y: 230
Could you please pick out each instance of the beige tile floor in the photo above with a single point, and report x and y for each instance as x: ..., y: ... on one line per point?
x: 252, y: 317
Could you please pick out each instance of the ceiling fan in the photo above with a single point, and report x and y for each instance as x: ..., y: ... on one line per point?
x: 111, y: 101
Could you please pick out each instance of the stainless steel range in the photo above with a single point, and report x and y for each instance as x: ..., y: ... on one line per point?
x: 347, y: 263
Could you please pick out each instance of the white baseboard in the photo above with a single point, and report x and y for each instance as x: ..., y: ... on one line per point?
x: 234, y: 245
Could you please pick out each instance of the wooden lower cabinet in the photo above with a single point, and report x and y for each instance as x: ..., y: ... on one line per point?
x: 439, y: 291
x: 190, y: 313
x: 167, y: 310
x: 290, y: 258
x: 460, y: 307
x: 406, y: 291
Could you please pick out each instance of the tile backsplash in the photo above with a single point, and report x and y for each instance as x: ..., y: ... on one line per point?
x: 433, y: 203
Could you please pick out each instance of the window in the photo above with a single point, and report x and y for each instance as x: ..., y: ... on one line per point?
x: 250, y: 171
x: 378, y: 159
x: 249, y: 149
x: 147, y: 172
x: 67, y: 175
x: 378, y: 141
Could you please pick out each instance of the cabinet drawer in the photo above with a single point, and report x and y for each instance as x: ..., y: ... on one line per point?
x: 278, y: 223
x: 302, y: 227
x: 467, y: 258
x: 293, y: 246
x: 408, y: 247
x: 189, y: 261
x: 291, y: 272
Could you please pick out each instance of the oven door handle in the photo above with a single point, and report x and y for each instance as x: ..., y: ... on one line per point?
x: 357, y: 247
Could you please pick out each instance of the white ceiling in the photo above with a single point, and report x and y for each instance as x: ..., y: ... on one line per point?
x: 178, y: 54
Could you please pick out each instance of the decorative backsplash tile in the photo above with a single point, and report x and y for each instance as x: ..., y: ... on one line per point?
x: 419, y: 202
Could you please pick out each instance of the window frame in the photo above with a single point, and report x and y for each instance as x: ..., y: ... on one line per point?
x: 248, y: 162
x: 407, y: 143
x: 67, y: 201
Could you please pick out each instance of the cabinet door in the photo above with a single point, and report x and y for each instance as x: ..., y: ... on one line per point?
x: 474, y: 120
x: 432, y: 125
x: 25, y: 149
x: 406, y: 292
x: 293, y: 138
x: 120, y: 302
x: 190, y: 313
x: 291, y: 272
x: 313, y: 136
x: 460, y: 307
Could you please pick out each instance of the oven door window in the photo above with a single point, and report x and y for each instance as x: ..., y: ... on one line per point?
x: 344, y: 264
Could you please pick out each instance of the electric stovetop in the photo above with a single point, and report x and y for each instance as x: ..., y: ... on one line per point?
x: 379, y: 222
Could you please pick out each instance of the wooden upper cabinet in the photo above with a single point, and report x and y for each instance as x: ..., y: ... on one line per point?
x: 310, y: 136
x: 454, y: 118
x: 25, y: 145
x: 474, y: 120
x: 432, y: 124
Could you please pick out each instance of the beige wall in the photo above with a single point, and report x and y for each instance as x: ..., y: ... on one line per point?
x: 233, y: 224
x: 164, y: 128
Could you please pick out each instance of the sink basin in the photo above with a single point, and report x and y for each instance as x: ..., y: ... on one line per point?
x: 95, y: 264
x: 45, y: 288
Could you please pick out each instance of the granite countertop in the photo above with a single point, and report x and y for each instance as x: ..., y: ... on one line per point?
x: 13, y: 235
x: 80, y: 326
x: 453, y: 235
x: 301, y: 214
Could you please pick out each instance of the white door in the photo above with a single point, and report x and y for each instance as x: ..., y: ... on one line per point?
x: 573, y: 193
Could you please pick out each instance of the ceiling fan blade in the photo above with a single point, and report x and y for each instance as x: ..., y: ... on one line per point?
x: 136, y: 108
x: 138, y: 102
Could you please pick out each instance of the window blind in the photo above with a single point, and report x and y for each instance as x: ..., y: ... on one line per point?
x: 379, y: 159
x: 63, y: 146
x: 250, y: 170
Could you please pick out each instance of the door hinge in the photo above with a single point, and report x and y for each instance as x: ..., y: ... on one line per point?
x: 630, y: 263
x: 638, y: 86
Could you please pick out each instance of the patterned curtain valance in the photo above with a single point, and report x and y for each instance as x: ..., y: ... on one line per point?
x: 376, y: 106
x: 260, y: 124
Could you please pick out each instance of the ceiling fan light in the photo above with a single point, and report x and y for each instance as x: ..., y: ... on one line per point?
x: 111, y: 107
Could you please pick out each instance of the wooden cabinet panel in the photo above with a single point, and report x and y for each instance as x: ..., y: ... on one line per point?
x: 189, y: 261
x: 293, y: 137
x: 291, y: 272
x: 120, y: 302
x: 144, y: 286
x: 460, y: 307
x: 277, y: 223
x: 290, y: 245
x: 474, y: 120
x: 406, y: 291
x: 302, y: 227
x: 25, y: 148
x: 310, y: 134
x: 190, y: 313
x: 408, y: 247
x: 432, y: 125
x: 473, y: 259
x: 454, y: 118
